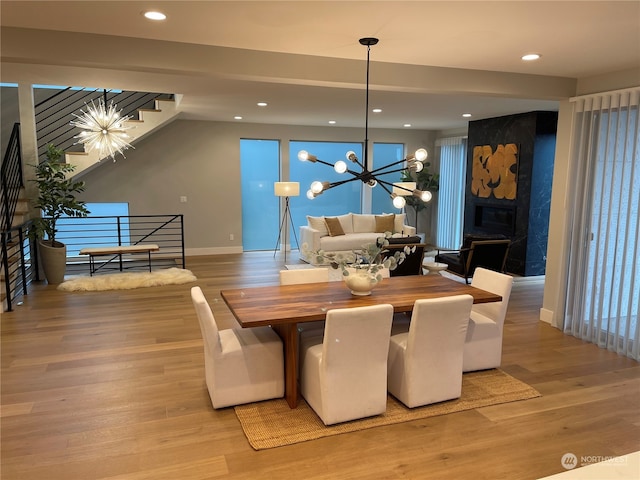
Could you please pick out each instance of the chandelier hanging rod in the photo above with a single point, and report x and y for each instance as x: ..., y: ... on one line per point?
x: 368, y: 42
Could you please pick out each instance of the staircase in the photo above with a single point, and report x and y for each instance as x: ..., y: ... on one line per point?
x: 16, y: 268
x: 148, y: 121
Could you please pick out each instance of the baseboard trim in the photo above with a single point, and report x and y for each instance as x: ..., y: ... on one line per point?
x: 546, y: 316
x: 198, y: 252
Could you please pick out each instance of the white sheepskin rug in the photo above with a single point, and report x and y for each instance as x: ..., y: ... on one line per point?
x: 127, y: 281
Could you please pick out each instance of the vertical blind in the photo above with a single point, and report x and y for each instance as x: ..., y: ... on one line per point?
x: 453, y: 168
x: 604, y: 259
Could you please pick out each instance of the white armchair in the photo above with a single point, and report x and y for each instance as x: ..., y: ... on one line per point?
x: 425, y: 362
x: 344, y: 375
x: 483, y: 346
x: 241, y: 365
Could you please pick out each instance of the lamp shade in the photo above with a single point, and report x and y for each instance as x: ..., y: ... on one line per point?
x: 286, y: 189
x: 404, y: 188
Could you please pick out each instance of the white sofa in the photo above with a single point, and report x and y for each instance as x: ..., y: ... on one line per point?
x: 358, y: 229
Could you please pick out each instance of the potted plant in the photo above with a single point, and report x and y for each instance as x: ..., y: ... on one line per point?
x: 362, y: 269
x: 425, y: 181
x: 56, y: 198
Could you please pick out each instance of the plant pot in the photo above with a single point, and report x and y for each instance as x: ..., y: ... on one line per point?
x: 360, y: 282
x: 54, y: 261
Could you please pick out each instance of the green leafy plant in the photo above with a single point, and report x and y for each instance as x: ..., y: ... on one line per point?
x: 56, y: 195
x: 425, y: 181
x: 370, y: 258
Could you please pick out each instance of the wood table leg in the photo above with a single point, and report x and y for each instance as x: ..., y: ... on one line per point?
x: 289, y: 335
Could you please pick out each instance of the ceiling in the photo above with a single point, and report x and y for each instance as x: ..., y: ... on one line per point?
x: 435, y: 59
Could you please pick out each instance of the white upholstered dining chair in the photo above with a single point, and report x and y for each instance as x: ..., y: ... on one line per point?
x: 305, y: 275
x: 483, y: 346
x: 344, y: 372
x: 241, y: 365
x: 425, y: 362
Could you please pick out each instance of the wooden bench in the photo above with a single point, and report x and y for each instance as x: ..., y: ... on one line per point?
x: 118, y: 250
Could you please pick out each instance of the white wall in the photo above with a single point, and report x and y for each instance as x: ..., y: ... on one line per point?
x: 201, y: 160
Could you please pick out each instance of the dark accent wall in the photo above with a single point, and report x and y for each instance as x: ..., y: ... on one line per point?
x: 524, y: 220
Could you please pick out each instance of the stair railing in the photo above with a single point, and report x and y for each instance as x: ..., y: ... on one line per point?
x: 11, y: 178
x: 19, y: 261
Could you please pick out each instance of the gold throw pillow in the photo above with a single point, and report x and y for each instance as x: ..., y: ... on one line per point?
x: 385, y: 223
x: 334, y: 226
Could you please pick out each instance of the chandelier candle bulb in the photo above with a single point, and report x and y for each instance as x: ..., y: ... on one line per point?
x: 424, y: 196
x: 318, y: 187
x: 305, y: 156
x: 340, y: 167
x: 421, y: 155
x: 398, y: 201
x: 415, y: 166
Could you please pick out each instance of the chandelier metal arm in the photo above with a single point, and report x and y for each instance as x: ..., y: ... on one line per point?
x: 342, y: 182
x: 382, y: 183
x: 356, y: 160
x: 354, y: 173
x: 380, y: 169
x: 323, y: 162
x: 392, y: 171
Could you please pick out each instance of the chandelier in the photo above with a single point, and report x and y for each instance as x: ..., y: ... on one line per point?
x: 397, y: 191
x: 103, y: 129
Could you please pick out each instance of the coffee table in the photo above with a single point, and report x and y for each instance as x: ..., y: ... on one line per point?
x: 434, y: 267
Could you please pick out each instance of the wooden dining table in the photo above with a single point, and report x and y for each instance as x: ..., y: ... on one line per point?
x: 284, y: 306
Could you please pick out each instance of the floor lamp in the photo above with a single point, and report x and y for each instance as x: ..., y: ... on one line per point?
x: 286, y: 190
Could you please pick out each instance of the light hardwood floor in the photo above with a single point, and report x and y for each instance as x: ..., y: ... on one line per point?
x: 110, y: 385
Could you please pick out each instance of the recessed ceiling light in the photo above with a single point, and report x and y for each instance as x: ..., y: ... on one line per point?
x: 262, y: 104
x: 530, y: 57
x: 155, y: 15
x: 466, y: 115
x: 376, y: 110
x: 237, y: 117
x: 332, y: 122
x: 407, y: 125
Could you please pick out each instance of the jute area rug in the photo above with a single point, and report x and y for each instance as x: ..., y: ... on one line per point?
x: 127, y: 280
x: 272, y: 423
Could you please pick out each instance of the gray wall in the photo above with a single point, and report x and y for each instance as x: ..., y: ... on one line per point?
x: 201, y: 160
x: 9, y: 113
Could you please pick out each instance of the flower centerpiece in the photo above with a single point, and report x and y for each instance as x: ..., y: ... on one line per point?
x: 362, y: 269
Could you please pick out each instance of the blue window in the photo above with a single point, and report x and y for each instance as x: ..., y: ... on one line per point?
x: 259, y: 170
x: 107, y: 224
x: 336, y: 201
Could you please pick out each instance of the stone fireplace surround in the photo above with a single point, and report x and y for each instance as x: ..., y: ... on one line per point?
x: 524, y: 220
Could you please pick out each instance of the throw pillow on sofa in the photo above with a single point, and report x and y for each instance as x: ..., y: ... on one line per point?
x: 317, y: 223
x: 385, y: 223
x: 334, y: 227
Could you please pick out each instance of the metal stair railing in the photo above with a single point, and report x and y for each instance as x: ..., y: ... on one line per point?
x: 11, y: 178
x: 19, y: 261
